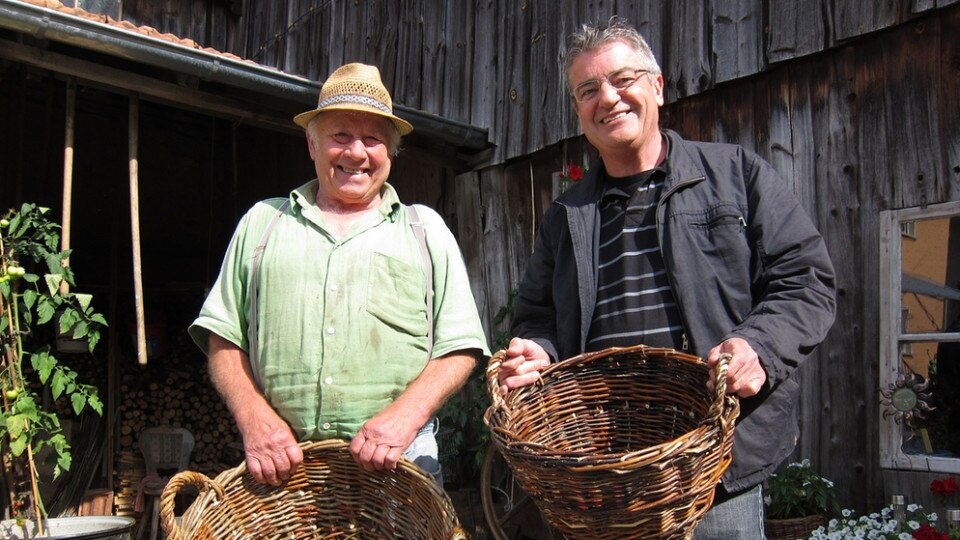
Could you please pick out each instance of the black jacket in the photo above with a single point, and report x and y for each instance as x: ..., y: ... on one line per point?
x: 744, y: 261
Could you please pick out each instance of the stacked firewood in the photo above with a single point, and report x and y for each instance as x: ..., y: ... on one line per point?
x: 173, y: 391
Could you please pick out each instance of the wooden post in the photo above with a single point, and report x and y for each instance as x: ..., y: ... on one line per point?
x: 68, y: 175
x: 135, y: 228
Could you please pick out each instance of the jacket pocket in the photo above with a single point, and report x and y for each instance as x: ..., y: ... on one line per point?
x: 396, y: 294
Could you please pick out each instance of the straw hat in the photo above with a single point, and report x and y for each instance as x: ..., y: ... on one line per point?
x: 355, y: 87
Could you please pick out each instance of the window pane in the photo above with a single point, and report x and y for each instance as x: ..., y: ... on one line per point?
x: 925, y: 400
x: 930, y: 280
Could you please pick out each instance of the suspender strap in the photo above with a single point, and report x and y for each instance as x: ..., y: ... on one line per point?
x: 418, y: 232
x: 252, y: 339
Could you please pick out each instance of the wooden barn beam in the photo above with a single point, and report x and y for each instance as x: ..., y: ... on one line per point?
x: 156, y: 90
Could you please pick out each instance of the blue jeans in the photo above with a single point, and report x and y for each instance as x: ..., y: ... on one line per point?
x: 424, y: 452
x: 735, y: 517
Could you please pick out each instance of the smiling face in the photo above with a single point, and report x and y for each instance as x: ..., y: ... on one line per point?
x: 351, y: 153
x: 621, y: 124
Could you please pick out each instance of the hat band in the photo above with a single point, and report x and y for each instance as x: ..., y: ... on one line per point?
x: 354, y: 98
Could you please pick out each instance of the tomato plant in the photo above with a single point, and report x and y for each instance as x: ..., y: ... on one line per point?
x: 32, y: 293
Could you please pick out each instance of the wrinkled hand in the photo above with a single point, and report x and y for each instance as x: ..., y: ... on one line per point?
x: 745, y: 373
x: 524, y: 361
x: 272, y: 450
x: 381, y: 440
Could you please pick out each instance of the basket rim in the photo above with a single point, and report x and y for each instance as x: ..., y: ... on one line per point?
x: 728, y: 405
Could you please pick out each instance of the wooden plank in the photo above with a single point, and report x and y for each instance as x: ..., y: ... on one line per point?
x: 515, y: 90
x: 407, y: 84
x: 497, y: 277
x: 382, y: 41
x: 854, y: 18
x: 737, y: 38
x: 735, y: 116
x: 686, y: 60
x: 457, y: 70
x: 949, y: 104
x: 434, y: 53
x: 483, y: 98
x: 470, y: 236
x: 797, y: 28
x: 911, y: 130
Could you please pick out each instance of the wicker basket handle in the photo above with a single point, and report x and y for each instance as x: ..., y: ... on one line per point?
x: 719, y: 388
x: 167, y: 499
x: 493, y: 378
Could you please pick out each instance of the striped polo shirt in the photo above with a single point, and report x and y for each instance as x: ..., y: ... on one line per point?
x: 635, y: 304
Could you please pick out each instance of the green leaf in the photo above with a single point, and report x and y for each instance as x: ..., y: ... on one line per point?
x: 95, y: 403
x: 58, y: 384
x: 80, y: 330
x: 29, y: 298
x: 78, y: 401
x: 18, y: 444
x: 99, y: 319
x: 31, y: 278
x: 54, y: 263
x: 93, y: 339
x: 53, y: 282
x: 68, y: 318
x: 16, y: 425
x: 43, y: 363
x: 45, y: 310
x: 5, y: 289
x: 83, y: 300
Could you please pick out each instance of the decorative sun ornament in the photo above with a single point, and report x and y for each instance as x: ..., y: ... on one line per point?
x: 907, y: 400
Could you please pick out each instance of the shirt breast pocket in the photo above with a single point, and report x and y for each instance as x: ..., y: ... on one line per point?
x: 396, y: 293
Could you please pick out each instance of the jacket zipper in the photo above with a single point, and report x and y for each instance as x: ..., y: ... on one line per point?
x: 685, y: 344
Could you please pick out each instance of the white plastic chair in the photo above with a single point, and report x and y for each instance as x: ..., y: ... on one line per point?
x: 166, y: 451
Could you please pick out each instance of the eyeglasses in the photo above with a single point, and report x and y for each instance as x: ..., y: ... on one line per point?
x: 620, y: 80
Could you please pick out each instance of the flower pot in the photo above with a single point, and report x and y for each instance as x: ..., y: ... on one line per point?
x: 793, y: 528
x: 73, y: 528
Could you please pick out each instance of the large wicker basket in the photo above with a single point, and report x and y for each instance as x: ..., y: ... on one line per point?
x: 329, y: 497
x: 617, y: 444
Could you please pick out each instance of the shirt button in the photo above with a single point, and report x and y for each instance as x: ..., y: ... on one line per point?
x: 330, y: 330
x: 333, y: 288
x: 326, y: 425
x: 328, y: 380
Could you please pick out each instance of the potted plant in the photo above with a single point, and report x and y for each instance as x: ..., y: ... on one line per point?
x: 798, y: 500
x: 34, y: 285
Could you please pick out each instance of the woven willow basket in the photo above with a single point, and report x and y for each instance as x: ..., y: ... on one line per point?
x: 793, y: 528
x: 328, y: 497
x: 617, y: 444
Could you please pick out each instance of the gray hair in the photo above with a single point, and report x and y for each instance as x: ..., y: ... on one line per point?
x: 591, y: 37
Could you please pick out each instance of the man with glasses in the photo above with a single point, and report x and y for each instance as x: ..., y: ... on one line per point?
x: 699, y: 247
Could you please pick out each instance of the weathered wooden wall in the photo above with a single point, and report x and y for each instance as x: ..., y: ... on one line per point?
x: 855, y: 103
x: 496, y: 63
x: 870, y: 126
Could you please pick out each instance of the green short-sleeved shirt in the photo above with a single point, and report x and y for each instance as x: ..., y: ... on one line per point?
x: 342, y: 323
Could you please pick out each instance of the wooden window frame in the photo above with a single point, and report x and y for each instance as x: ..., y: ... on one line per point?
x: 892, y: 335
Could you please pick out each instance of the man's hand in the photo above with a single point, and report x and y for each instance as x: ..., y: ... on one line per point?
x: 745, y: 373
x: 524, y: 361
x: 382, y: 440
x: 271, y: 448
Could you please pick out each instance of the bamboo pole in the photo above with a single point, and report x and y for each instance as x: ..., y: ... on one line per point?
x: 68, y: 175
x: 135, y: 228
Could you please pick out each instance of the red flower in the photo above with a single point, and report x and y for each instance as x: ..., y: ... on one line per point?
x: 944, y: 487
x: 574, y: 172
x: 926, y: 532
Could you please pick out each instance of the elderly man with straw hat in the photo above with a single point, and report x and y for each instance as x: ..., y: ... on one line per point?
x: 340, y: 312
